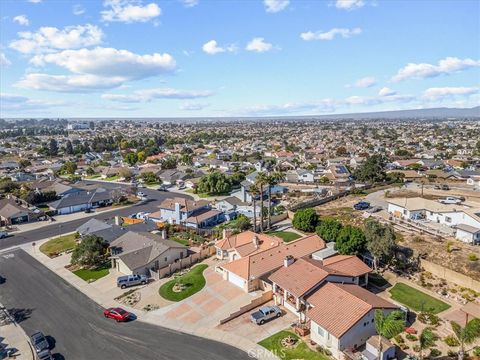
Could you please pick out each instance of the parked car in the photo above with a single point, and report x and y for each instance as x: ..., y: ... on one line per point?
x: 450, y: 200
x: 39, y: 342
x: 445, y: 187
x: 117, y: 314
x: 141, y: 194
x: 362, y: 205
x: 131, y: 280
x: 45, y: 355
x: 264, y: 314
x: 3, y: 234
x: 437, y: 187
x: 162, y: 188
x: 140, y: 186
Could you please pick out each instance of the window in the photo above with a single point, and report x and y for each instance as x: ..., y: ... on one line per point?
x: 405, y: 212
x: 321, y: 332
x: 166, y: 258
x: 448, y: 219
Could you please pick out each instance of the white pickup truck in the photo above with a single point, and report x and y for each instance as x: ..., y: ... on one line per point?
x: 450, y: 200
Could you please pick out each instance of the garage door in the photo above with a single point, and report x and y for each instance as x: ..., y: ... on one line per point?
x: 236, y: 280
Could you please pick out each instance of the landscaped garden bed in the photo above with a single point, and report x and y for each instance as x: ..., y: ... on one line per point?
x: 183, y: 286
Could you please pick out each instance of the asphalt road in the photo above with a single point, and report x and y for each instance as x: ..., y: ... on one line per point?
x: 154, y: 199
x: 43, y: 301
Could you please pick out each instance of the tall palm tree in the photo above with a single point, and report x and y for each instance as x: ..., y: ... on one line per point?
x: 388, y: 326
x: 272, y: 179
x: 466, y: 335
x: 260, y: 181
x: 253, y: 190
x: 426, y: 339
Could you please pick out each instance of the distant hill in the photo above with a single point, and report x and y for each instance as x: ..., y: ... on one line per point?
x: 414, y: 113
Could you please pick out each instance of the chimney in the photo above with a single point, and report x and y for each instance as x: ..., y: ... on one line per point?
x: 289, y: 260
x: 118, y: 220
x: 164, y: 234
x: 256, y: 241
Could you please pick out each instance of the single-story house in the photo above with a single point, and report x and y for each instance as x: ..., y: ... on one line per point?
x: 467, y: 233
x: 140, y: 252
x: 12, y: 213
x: 81, y: 200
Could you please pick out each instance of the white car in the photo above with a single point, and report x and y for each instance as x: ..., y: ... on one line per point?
x: 450, y: 200
x: 141, y: 194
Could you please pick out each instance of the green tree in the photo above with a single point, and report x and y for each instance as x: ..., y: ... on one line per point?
x: 350, y: 241
x: 68, y: 148
x: 52, y: 147
x: 149, y: 177
x: 372, y: 170
x: 141, y: 156
x: 131, y: 158
x: 169, y: 162
x: 426, y: 340
x: 69, y: 168
x: 125, y: 173
x: 305, y: 220
x: 466, y: 335
x: 328, y: 229
x: 388, y: 325
x: 214, y: 183
x: 23, y: 163
x: 242, y: 222
x: 90, y: 252
x: 380, y: 241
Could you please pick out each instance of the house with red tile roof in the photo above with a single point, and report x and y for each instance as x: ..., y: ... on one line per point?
x: 250, y: 266
x: 235, y: 246
x: 297, y: 279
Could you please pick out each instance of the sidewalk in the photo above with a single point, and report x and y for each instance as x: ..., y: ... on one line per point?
x: 104, y: 299
x: 13, y: 337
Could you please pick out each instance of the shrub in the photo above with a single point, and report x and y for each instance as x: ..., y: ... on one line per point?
x: 435, y: 353
x: 429, y: 319
x: 399, y: 339
x: 476, y: 351
x: 473, y: 257
x: 411, y: 337
x: 305, y: 219
x: 452, y: 354
x: 451, y: 340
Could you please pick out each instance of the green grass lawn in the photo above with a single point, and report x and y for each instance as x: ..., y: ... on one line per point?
x: 194, y: 281
x: 58, y: 245
x: 301, y: 351
x: 287, y: 236
x: 113, y: 178
x: 93, y: 274
x: 417, y: 300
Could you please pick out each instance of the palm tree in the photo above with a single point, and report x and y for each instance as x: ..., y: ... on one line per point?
x: 260, y: 181
x: 272, y: 179
x: 426, y: 339
x: 466, y: 335
x: 253, y: 190
x: 388, y: 325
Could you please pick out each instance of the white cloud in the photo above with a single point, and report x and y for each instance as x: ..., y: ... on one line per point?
x: 445, y: 66
x: 148, y: 95
x: 49, y: 39
x: 35, y: 1
x: 349, y: 4
x: 109, y: 62
x: 193, y: 106
x: 211, y: 47
x: 189, y: 3
x: 4, y: 61
x: 68, y: 83
x: 331, y: 34
x: 13, y: 102
x: 365, y: 82
x: 258, y: 44
x: 22, y: 20
x: 385, y: 91
x: 274, y: 6
x: 129, y: 11
x: 441, y: 93
x: 78, y: 9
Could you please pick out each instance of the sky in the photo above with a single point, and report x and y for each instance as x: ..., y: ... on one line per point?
x: 205, y: 58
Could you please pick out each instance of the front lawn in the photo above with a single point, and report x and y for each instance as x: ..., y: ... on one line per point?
x: 287, y: 236
x: 59, y: 244
x: 193, y: 282
x: 301, y: 351
x: 93, y: 274
x: 417, y: 300
x: 113, y: 178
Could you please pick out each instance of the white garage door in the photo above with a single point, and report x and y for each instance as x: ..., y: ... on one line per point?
x: 236, y: 280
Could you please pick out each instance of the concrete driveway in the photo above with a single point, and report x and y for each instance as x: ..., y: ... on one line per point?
x: 242, y: 326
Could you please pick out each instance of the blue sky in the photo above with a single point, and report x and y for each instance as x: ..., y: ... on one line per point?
x: 134, y: 58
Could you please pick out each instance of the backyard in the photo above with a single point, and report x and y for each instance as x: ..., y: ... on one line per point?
x: 185, y: 285
x: 417, y: 300
x: 299, y: 351
x: 287, y: 236
x: 60, y: 244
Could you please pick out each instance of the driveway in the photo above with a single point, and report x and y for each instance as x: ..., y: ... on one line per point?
x: 216, y: 301
x: 41, y: 300
x: 242, y: 326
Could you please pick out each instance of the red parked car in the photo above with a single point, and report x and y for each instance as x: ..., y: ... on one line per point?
x: 117, y: 314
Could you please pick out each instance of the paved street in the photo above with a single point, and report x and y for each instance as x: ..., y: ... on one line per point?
x: 154, y: 199
x: 43, y: 301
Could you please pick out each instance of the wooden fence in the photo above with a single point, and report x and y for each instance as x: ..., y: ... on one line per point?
x: 183, y: 263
